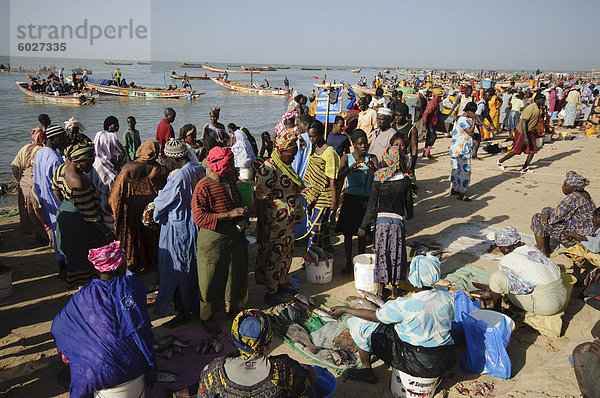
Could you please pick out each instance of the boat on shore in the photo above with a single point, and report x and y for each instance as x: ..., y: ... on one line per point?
x: 176, y: 76
x: 117, y: 63
x: 357, y: 70
x: 246, y: 88
x: 309, y: 68
x: 65, y: 99
x: 140, y: 92
x: 218, y: 70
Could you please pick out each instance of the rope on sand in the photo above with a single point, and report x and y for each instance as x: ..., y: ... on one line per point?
x: 14, y: 213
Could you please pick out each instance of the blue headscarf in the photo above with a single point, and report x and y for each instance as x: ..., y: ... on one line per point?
x: 424, y: 271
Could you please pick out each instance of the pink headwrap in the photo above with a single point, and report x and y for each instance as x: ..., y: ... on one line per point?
x: 219, y: 160
x: 74, y: 122
x: 280, y: 128
x: 107, y: 258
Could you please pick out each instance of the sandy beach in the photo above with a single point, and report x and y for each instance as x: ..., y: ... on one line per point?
x: 540, y: 365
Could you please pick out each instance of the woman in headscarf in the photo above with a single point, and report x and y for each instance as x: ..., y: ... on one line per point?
x: 574, y: 213
x: 46, y: 162
x: 357, y: 168
x: 111, y: 354
x: 79, y: 224
x: 320, y: 192
x: 243, y: 154
x: 176, y: 244
x: 411, y: 334
x: 75, y: 132
x: 214, y: 128
x: 390, y: 204
x: 187, y: 133
x: 279, y: 210
x: 251, y: 372
x: 222, y: 246
x: 109, y: 157
x: 137, y: 185
x: 593, y: 121
x: 572, y: 107
x: 461, y: 152
x: 528, y: 278
x: 30, y: 215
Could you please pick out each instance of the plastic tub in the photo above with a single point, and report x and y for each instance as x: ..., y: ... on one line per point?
x: 404, y: 385
x: 326, y: 384
x: 539, y: 142
x: 492, y: 318
x: 321, y: 272
x: 364, y: 270
x: 246, y: 190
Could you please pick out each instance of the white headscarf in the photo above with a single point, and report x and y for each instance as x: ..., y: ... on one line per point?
x: 243, y: 155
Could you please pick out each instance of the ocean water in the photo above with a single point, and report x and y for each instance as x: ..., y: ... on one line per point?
x: 18, y: 113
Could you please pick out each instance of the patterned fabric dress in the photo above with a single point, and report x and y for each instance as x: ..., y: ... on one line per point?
x: 573, y: 213
x: 461, y: 152
x: 283, y: 212
x: 286, y: 379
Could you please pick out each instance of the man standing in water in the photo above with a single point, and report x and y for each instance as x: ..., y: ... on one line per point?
x: 165, y: 131
x: 525, y: 134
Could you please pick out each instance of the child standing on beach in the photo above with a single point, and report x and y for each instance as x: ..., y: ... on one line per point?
x: 131, y: 139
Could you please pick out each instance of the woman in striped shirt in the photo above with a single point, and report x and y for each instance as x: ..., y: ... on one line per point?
x: 79, y: 224
x: 222, y: 247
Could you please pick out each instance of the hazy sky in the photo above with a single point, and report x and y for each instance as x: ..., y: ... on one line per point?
x: 501, y: 34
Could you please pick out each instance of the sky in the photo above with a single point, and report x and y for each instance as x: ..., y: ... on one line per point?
x: 455, y: 34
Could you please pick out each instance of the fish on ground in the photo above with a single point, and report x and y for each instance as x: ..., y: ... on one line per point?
x: 375, y: 299
x: 297, y: 334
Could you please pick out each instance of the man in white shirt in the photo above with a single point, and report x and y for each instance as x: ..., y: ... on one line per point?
x: 383, y: 134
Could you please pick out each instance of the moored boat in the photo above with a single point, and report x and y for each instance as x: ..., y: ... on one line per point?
x: 176, y: 76
x: 218, y: 70
x: 117, y: 63
x: 141, y: 92
x: 309, y: 68
x: 191, y: 65
x: 144, y: 63
x: 246, y: 88
x: 66, y: 99
x: 357, y: 70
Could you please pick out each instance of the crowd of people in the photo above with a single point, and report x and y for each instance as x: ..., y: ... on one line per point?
x: 176, y: 205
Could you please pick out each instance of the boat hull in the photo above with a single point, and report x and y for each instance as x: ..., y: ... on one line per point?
x: 139, y: 92
x: 54, y: 99
x: 180, y: 77
x: 244, y: 88
x: 217, y: 70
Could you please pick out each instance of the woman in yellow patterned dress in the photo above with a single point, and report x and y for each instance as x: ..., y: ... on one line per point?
x: 279, y: 209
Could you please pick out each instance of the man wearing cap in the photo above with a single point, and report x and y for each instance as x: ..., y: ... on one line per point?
x: 46, y: 162
x: 430, y: 121
x: 384, y: 132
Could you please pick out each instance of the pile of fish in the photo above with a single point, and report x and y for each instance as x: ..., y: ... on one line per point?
x: 288, y: 316
x: 168, y: 345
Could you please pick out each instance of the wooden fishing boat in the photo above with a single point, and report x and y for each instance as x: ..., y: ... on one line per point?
x: 176, y: 76
x: 357, y: 70
x: 191, y: 65
x: 66, y: 99
x: 144, y: 63
x: 363, y: 90
x: 252, y: 68
x: 117, y: 63
x: 217, y: 70
x: 246, y: 88
x: 309, y: 68
x: 141, y: 92
x: 283, y: 67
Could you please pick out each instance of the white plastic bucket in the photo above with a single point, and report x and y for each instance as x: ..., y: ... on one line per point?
x: 492, y: 318
x: 364, y: 271
x: 547, y: 138
x: 404, y: 385
x: 539, y: 142
x: 322, y: 271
